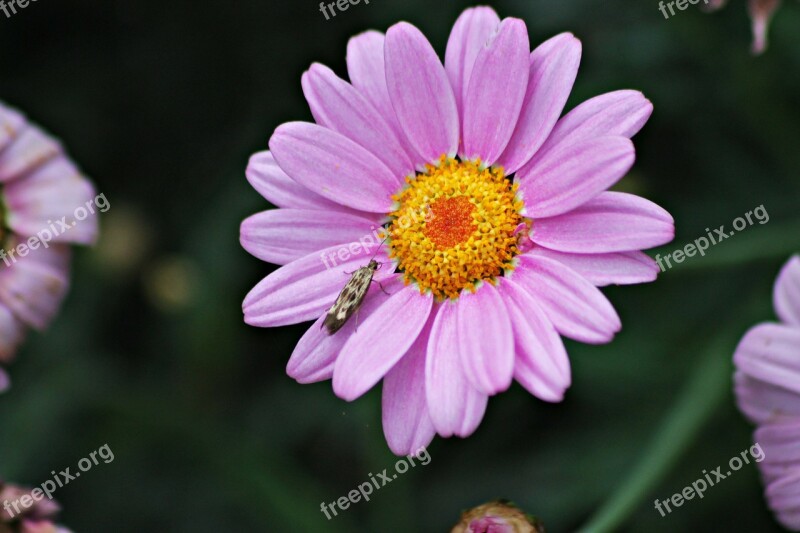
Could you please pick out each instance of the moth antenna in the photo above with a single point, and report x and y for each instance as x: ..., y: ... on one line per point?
x: 379, y: 247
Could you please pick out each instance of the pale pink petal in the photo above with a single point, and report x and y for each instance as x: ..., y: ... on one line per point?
x: 618, y: 113
x: 469, y: 35
x: 339, y: 106
x: 495, y: 93
x: 612, y: 222
x: 11, y: 124
x: 485, y: 340
x: 275, y: 185
x: 621, y: 268
x: 12, y: 333
x: 30, y: 149
x: 787, y: 292
x: 541, y: 364
x: 553, y: 68
x: 771, y: 353
x: 281, y: 236
x: 380, y: 342
x: 779, y: 442
x: 576, y: 308
x: 366, y: 66
x: 762, y: 402
x: 783, y: 496
x: 421, y: 94
x: 306, y: 288
x: 334, y: 167
x: 568, y: 178
x: 34, y: 286
x: 406, y: 422
x: 314, y: 356
x: 50, y: 202
x: 455, y: 406
x: 761, y: 12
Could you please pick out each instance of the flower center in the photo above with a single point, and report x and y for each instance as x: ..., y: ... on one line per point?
x: 455, y: 225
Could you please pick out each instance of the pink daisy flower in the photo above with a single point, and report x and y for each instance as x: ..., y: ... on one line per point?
x: 497, y: 221
x: 768, y: 391
x: 40, y: 190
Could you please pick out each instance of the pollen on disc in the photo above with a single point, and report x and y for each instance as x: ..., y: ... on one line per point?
x: 451, y: 222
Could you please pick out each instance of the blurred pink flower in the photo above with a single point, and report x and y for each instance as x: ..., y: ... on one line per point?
x: 761, y: 12
x: 36, y: 518
x: 767, y: 384
x: 497, y: 517
x: 499, y: 224
x: 40, y: 188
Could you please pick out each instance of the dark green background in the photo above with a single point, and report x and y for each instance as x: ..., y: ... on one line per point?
x: 162, y: 103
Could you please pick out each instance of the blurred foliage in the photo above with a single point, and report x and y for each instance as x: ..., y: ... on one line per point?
x: 163, y: 102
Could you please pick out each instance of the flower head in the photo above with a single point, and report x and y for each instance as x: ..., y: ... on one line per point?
x: 489, y: 215
x: 768, y: 391
x: 497, y: 517
x: 40, y: 191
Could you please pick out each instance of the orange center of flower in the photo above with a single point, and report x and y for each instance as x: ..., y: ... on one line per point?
x: 450, y: 221
x: 454, y: 227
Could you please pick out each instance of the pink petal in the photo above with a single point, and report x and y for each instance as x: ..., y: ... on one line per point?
x: 763, y: 402
x: 568, y: 178
x: 420, y: 93
x: 553, y: 68
x: 783, y: 496
x: 779, y: 441
x: 612, y: 222
x: 12, y: 333
x: 276, y: 186
x: 339, y: 106
x: 406, y: 422
x: 11, y: 124
x: 761, y: 12
x: 34, y: 286
x: 621, y: 268
x: 495, y: 94
x: 787, y: 292
x: 334, y: 167
x: 28, y: 151
x: 306, y: 288
x: 469, y: 35
x: 485, y: 340
x: 769, y: 352
x: 618, y: 113
x: 281, y: 236
x: 456, y: 408
x: 575, y: 307
x: 381, y: 341
x: 55, y: 191
x: 314, y: 356
x: 541, y: 365
x: 366, y: 67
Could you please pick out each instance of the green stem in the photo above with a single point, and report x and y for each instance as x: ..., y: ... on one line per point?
x: 707, y: 388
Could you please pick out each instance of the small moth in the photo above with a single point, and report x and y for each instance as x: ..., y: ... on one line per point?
x: 351, y: 297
